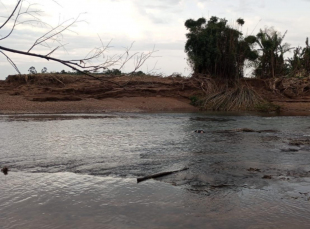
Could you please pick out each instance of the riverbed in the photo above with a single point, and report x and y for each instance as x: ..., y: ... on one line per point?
x: 80, y: 171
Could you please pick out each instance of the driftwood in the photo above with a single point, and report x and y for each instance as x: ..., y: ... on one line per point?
x: 221, y: 185
x: 140, y: 179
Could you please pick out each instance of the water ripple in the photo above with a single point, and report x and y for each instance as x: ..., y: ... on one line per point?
x: 79, y: 171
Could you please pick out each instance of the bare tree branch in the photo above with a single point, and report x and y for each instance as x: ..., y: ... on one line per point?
x: 128, y: 57
x: 11, y: 62
x: 142, y: 58
x: 152, y: 70
x: 9, y: 18
x: 53, y: 32
x: 27, y: 15
x: 50, y: 53
x: 14, y: 24
x: 66, y: 63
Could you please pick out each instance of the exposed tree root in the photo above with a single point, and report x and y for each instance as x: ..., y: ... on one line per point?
x: 238, y: 98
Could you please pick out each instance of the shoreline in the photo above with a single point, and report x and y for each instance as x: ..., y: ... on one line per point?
x: 18, y: 105
x: 69, y: 94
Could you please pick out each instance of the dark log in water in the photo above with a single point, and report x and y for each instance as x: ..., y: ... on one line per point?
x: 245, y: 130
x: 5, y: 170
x: 221, y: 185
x: 140, y: 179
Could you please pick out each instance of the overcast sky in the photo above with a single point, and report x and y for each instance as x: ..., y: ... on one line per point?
x: 147, y: 23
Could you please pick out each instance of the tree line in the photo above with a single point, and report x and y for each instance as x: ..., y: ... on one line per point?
x: 214, y: 48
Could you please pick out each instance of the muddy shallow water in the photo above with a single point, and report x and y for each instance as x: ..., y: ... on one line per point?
x: 79, y: 171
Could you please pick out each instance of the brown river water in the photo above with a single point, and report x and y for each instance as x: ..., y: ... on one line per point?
x: 80, y: 171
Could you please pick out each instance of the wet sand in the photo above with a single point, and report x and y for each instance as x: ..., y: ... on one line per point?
x: 19, y: 105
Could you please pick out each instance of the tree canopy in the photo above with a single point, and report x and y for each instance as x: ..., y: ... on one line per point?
x: 299, y: 64
x: 271, y: 62
x: 214, y: 48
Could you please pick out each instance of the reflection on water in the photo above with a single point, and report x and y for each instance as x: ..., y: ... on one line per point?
x: 79, y: 171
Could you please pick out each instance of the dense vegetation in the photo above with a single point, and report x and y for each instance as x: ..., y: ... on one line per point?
x: 214, y: 48
x: 299, y: 64
x: 270, y: 62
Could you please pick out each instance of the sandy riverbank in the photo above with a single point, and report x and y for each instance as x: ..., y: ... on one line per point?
x: 56, y: 93
x: 20, y: 105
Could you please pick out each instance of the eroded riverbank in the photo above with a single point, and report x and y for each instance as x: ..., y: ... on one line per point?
x: 64, y: 93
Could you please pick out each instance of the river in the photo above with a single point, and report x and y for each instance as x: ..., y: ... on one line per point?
x: 80, y: 171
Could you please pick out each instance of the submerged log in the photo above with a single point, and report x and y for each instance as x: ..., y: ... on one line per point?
x: 140, y: 179
x: 221, y: 185
x: 267, y: 177
x: 246, y: 130
x: 5, y: 170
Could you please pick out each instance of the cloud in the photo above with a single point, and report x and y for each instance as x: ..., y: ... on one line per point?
x: 159, y: 12
x: 149, y: 23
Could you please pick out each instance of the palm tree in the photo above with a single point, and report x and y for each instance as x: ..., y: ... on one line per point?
x: 240, y: 22
x: 271, y: 61
x: 299, y: 63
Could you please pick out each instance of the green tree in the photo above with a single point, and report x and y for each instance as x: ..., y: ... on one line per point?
x: 216, y: 49
x: 271, y: 62
x: 32, y: 70
x: 299, y: 64
x: 306, y: 57
x: 240, y: 21
x: 113, y: 72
